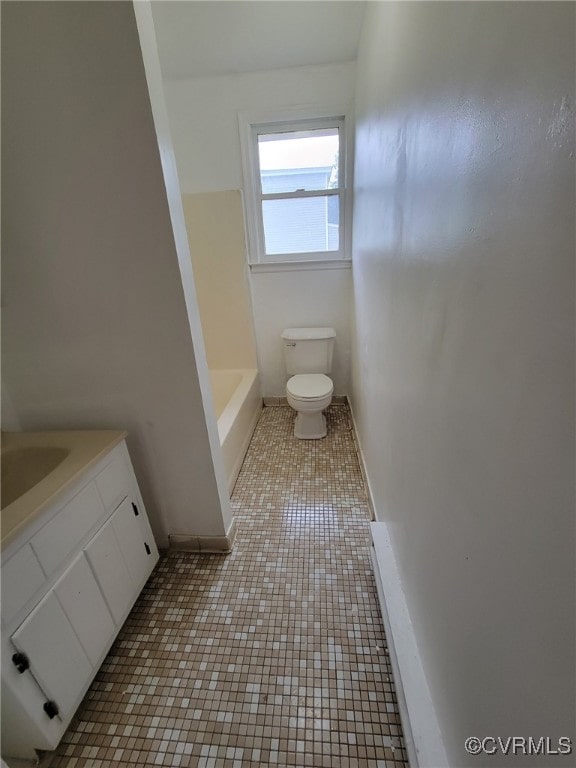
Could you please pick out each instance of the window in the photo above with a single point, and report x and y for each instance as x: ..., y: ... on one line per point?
x: 294, y: 174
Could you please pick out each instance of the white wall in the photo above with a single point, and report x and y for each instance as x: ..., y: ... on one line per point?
x: 95, y: 327
x: 463, y: 375
x: 204, y: 120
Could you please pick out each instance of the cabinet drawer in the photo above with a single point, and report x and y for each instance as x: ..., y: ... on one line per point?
x: 22, y: 577
x: 62, y: 535
x: 113, y: 484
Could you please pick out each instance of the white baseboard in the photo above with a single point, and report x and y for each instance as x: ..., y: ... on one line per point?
x: 422, y: 735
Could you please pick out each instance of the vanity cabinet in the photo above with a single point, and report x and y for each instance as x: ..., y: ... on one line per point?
x: 68, y: 584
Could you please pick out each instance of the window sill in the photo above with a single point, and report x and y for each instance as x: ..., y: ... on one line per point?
x: 300, y: 266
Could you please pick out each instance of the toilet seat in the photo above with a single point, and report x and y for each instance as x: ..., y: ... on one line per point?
x: 309, y: 386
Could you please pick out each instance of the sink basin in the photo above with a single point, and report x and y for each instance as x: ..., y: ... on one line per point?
x: 23, y: 468
x: 38, y: 467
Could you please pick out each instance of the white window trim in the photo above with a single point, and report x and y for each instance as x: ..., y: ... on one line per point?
x: 250, y: 169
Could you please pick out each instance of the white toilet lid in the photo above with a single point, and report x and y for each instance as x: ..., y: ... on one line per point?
x: 309, y: 386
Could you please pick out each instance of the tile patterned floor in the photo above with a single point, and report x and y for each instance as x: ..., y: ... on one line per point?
x: 272, y: 655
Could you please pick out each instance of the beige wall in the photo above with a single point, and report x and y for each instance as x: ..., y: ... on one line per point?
x: 95, y: 332
x: 215, y: 225
x: 463, y: 374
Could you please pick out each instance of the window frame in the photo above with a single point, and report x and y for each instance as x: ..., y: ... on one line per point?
x: 251, y: 126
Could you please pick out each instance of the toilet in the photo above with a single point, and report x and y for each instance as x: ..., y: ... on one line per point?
x: 308, y: 360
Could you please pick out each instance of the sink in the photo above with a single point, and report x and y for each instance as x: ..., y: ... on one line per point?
x: 38, y: 467
x: 23, y: 468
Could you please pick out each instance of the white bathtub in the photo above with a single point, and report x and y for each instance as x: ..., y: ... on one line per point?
x: 238, y: 402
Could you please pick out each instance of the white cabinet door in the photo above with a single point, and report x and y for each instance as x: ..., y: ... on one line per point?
x: 85, y: 608
x: 111, y: 571
x: 140, y: 555
x: 57, y: 660
x: 66, y: 636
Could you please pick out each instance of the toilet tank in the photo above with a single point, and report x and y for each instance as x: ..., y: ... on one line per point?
x: 308, y: 350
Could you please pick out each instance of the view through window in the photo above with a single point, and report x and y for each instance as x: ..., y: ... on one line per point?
x: 299, y: 177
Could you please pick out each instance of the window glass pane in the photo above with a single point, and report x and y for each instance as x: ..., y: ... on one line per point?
x: 301, y: 224
x: 299, y: 160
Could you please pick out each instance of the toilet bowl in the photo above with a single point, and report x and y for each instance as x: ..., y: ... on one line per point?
x: 309, y: 394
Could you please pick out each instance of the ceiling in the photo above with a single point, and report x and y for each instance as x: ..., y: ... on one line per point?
x: 214, y: 37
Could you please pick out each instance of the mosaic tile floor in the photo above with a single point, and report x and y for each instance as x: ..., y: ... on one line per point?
x: 272, y: 655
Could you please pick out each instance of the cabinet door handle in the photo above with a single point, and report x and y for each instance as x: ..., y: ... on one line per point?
x: 147, y: 548
x: 21, y: 662
x: 51, y: 709
x: 135, y: 508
